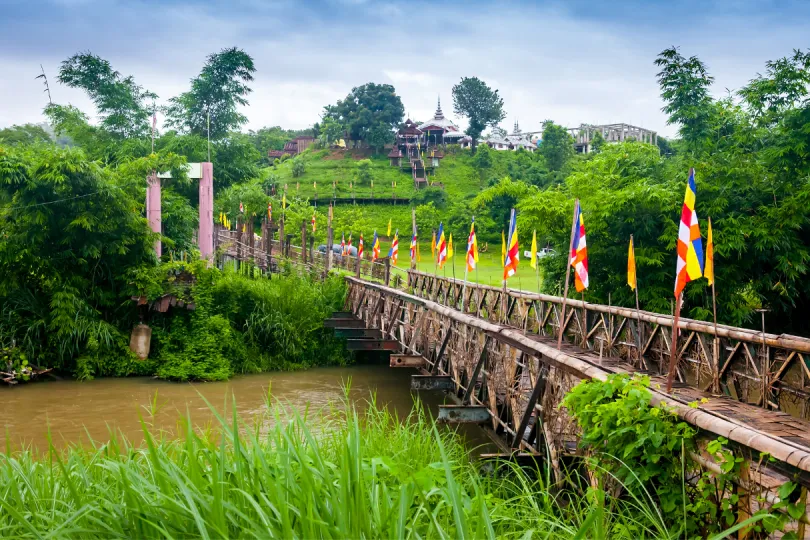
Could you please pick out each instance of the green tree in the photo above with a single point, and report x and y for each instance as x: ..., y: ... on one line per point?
x: 557, y: 147
x: 298, y: 167
x: 330, y: 130
x: 379, y: 135
x: 597, y: 142
x: 482, y: 161
x: 216, y: 93
x: 365, y: 109
x: 364, y: 173
x: 25, y: 134
x: 497, y: 202
x: 685, y: 84
x: 481, y: 105
x: 120, y: 102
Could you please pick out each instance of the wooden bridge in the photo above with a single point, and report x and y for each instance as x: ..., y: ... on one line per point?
x: 495, y: 352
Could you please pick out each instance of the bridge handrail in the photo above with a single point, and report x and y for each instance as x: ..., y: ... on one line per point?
x: 780, y: 449
x: 785, y: 341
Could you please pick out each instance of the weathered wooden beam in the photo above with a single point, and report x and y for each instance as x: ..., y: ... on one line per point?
x: 358, y: 333
x: 432, y: 382
x: 344, y: 323
x: 372, y: 344
x: 463, y: 414
x: 407, y: 361
x: 537, y: 392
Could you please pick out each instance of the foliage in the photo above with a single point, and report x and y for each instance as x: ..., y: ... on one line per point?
x: 72, y: 231
x: 216, y: 93
x: 379, y: 135
x: 364, y: 174
x: 367, y: 111
x: 481, y: 105
x: 427, y: 221
x: 497, y: 202
x: 180, y: 222
x: 636, y: 445
x: 330, y: 130
x: 299, y: 166
x: 120, y: 102
x: 685, y: 84
x: 25, y: 134
x: 597, y: 142
x: 434, y: 195
x: 557, y: 147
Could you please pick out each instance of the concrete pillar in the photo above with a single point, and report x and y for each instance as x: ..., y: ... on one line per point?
x: 205, y: 238
x: 153, y: 208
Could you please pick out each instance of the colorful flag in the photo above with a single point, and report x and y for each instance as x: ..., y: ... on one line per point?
x: 433, y: 246
x: 512, y: 250
x: 413, y: 248
x: 284, y: 202
x: 450, y: 247
x: 343, y: 244
x: 690, y: 246
x: 313, y: 223
x: 389, y: 227
x: 349, y: 245
x: 441, y: 246
x: 708, y: 270
x: 631, y: 265
x: 472, y: 248
x: 375, y: 247
x: 360, y: 247
x: 503, y: 248
x: 579, y: 252
x: 394, y: 253
x: 241, y: 208
x: 533, y: 262
x: 269, y: 211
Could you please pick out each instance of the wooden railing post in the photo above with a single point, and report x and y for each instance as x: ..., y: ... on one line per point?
x: 304, y: 241
x: 387, y: 265
x: 329, y: 239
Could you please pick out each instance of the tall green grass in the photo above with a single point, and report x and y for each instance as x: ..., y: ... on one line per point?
x: 362, y: 476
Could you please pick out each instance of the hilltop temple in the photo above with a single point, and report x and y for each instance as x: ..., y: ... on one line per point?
x: 513, y: 141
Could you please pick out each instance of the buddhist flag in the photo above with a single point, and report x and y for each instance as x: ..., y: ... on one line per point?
x: 450, y: 246
x: 349, y: 245
x: 631, y: 265
x: 433, y: 246
x: 708, y: 270
x: 441, y: 246
x: 315, y: 186
x: 413, y: 248
x: 579, y: 251
x: 360, y: 247
x: 313, y: 223
x: 241, y: 208
x: 690, y: 246
x: 503, y: 249
x: 512, y: 250
x: 533, y: 262
x: 393, y: 254
x: 375, y: 247
x: 343, y: 244
x: 389, y: 227
x: 269, y: 211
x: 472, y: 248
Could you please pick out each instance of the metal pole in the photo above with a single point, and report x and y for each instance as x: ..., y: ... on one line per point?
x: 567, y: 274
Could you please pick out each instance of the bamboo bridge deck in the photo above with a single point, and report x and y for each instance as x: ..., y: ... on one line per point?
x: 495, y: 351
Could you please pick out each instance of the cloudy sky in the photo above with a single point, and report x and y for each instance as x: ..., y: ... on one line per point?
x: 571, y: 61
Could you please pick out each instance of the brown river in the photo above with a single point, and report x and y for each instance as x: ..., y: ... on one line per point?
x: 75, y: 411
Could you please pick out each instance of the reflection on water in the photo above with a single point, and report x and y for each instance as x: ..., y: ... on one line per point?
x: 75, y: 410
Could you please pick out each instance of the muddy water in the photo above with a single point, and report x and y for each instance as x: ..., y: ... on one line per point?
x: 76, y: 411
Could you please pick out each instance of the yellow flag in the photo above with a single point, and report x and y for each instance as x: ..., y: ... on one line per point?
x: 389, y: 227
x: 418, y: 254
x: 503, y: 248
x: 284, y: 202
x: 533, y: 262
x: 708, y: 268
x: 450, y: 246
x: 631, y: 265
x: 433, y: 245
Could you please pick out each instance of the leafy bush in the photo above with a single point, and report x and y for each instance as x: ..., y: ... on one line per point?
x: 299, y: 167
x: 434, y: 195
x: 364, y: 174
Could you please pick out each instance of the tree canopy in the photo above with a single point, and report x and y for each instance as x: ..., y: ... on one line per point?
x: 481, y: 105
x: 368, y: 112
x: 216, y: 93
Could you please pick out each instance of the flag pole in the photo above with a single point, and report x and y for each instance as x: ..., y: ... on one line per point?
x: 673, y: 353
x: 639, y: 326
x: 716, y: 341
x: 466, y: 271
x: 453, y: 259
x: 567, y: 275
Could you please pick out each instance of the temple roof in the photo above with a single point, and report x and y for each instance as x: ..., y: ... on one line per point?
x: 439, y: 121
x: 395, y: 152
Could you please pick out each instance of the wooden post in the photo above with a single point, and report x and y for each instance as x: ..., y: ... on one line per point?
x: 357, y: 273
x: 329, y: 239
x: 639, y: 335
x: 304, y: 241
x: 673, y: 353
x: 281, y: 236
x: 567, y: 275
x: 413, y: 228
x: 288, y: 246
x: 311, y: 250
x: 387, y: 264
x: 268, y: 246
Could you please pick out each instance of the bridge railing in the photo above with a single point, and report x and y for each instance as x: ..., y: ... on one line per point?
x: 768, y: 370
x: 521, y: 381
